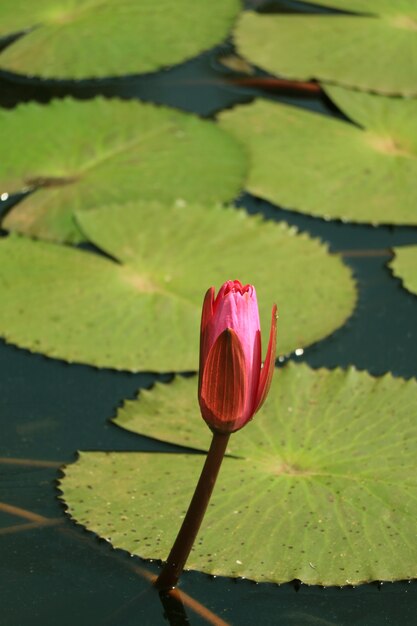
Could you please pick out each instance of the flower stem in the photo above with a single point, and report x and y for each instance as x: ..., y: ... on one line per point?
x: 178, y: 556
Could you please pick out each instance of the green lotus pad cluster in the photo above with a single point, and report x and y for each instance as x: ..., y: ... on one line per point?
x: 373, y: 47
x: 78, y: 39
x: 325, y: 474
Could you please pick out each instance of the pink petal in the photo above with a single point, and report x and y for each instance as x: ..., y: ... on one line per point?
x: 255, y: 374
x: 237, y: 308
x: 269, y: 364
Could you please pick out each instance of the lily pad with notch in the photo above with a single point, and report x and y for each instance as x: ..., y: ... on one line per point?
x: 313, y: 163
x: 321, y: 488
x: 78, y: 155
x: 140, y: 309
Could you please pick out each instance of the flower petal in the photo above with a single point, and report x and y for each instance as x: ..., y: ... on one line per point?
x: 206, y: 316
x: 255, y: 372
x: 269, y: 364
x: 223, y: 383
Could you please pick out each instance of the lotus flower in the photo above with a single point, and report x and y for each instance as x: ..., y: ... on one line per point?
x: 232, y: 387
x: 233, y: 384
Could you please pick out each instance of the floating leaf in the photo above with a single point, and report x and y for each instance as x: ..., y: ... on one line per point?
x: 317, y: 164
x: 374, y: 51
x: 142, y: 311
x: 87, y: 154
x: 322, y: 488
x: 79, y: 39
x: 404, y: 266
x: 155, y: 414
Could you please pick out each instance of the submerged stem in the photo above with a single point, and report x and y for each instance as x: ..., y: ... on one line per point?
x: 178, y: 556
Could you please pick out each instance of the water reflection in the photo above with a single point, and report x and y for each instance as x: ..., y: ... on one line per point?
x: 174, y: 610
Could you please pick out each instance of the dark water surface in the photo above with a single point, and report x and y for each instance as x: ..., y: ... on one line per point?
x: 62, y: 575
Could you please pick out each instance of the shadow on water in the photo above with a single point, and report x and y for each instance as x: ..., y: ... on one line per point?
x: 291, y: 7
x: 193, y: 86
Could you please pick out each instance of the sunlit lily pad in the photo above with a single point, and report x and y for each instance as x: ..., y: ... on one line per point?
x: 322, y: 488
x: 79, y: 155
x: 375, y: 50
x: 141, y: 311
x: 404, y: 266
x: 321, y: 165
x: 80, y: 39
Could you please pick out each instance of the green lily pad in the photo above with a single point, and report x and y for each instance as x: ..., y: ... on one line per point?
x: 322, y: 488
x: 79, y: 155
x: 154, y: 414
x: 141, y: 311
x: 404, y: 266
x: 317, y: 164
x: 374, y: 51
x: 76, y: 39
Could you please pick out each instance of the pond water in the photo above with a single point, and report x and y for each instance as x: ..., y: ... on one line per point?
x: 60, y: 574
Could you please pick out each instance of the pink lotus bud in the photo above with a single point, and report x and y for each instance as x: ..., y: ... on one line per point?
x: 233, y: 384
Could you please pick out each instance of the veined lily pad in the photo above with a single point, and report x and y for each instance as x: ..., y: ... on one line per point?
x: 78, y: 39
x: 322, y: 488
x: 376, y: 50
x: 142, y: 310
x: 320, y: 165
x: 404, y: 266
x: 79, y: 155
